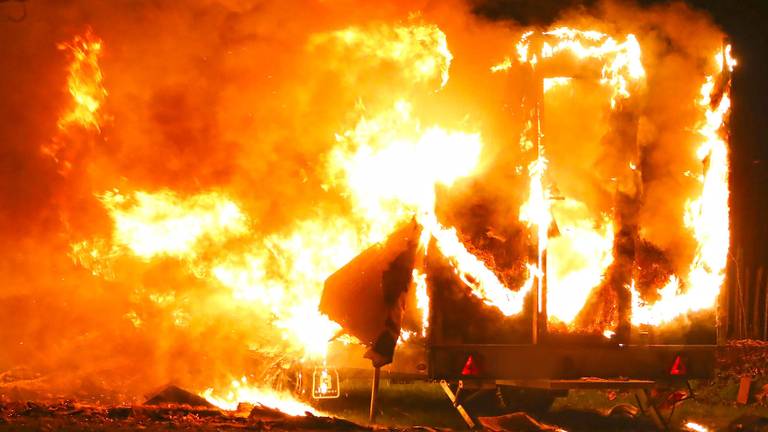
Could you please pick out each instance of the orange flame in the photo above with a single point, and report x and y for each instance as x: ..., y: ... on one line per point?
x: 577, y: 259
x: 420, y: 49
x: 388, y: 166
x: 695, y: 427
x: 163, y: 223
x: 707, y: 217
x: 622, y: 63
x: 422, y: 299
x: 621, y: 60
x: 84, y: 82
x: 483, y: 282
x: 241, y: 391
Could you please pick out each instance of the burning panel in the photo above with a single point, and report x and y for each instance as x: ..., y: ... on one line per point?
x: 367, y: 296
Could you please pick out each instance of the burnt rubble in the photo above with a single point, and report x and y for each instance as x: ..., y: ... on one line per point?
x: 70, y: 415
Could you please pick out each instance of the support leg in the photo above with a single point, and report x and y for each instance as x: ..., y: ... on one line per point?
x: 374, y: 395
x: 463, y: 412
x: 648, y: 407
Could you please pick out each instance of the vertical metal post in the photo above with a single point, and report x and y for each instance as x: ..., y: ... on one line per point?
x: 374, y: 395
x: 540, y: 293
x: 543, y: 295
x: 722, y: 319
x: 454, y: 397
x: 620, y: 140
x: 538, y: 82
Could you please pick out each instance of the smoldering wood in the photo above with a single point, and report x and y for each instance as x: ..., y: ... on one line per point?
x: 653, y: 269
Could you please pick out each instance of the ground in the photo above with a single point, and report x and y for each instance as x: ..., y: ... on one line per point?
x: 419, y: 405
x: 403, y: 406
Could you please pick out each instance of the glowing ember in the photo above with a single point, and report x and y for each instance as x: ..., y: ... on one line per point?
x: 695, y: 427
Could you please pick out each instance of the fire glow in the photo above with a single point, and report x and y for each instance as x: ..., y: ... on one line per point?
x: 395, y: 157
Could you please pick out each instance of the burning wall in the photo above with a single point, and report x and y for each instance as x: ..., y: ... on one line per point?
x: 179, y: 180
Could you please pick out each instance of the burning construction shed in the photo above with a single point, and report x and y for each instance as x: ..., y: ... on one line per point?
x: 572, y: 175
x: 589, y: 234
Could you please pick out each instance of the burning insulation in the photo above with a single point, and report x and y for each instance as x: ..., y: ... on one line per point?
x: 184, y: 202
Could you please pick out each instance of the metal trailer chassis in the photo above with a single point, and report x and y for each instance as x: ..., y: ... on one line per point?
x: 464, y: 371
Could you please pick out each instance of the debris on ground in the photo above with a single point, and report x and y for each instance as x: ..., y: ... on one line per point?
x: 744, y: 384
x: 745, y: 357
x: 68, y: 415
x: 518, y: 421
x: 623, y: 411
x: 749, y: 423
x: 174, y: 395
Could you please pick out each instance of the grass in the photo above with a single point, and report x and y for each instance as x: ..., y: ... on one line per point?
x: 400, y: 404
x: 424, y: 403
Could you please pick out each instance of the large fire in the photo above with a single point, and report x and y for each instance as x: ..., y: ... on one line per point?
x: 706, y: 216
x: 241, y: 391
x: 84, y: 82
x: 369, y: 124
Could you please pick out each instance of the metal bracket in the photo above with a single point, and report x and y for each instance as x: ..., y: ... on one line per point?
x: 648, y: 408
x: 454, y: 397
